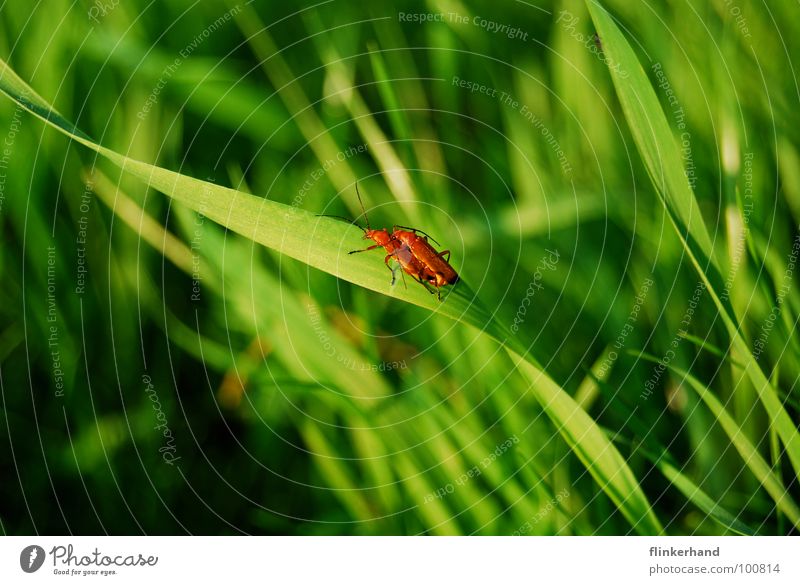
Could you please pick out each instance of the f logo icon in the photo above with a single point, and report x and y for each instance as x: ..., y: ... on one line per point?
x: 31, y: 558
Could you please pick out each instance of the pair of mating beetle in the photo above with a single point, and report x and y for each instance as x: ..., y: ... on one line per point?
x: 412, y: 252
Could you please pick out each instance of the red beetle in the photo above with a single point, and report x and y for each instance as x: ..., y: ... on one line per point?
x: 413, y: 252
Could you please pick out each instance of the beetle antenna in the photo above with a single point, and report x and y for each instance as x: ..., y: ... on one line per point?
x: 405, y: 227
x: 364, y: 211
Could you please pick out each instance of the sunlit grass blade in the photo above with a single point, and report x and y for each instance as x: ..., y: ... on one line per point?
x: 319, y: 140
x: 340, y: 76
x: 589, y: 389
x: 397, y: 117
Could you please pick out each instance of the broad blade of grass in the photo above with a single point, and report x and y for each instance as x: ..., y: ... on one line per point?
x: 657, y: 148
x: 323, y: 243
x: 317, y: 241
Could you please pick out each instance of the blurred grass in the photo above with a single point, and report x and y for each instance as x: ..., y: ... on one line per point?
x: 259, y: 378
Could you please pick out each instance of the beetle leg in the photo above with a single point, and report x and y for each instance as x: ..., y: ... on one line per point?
x: 366, y: 249
x: 403, y: 276
x: 427, y: 286
x: 395, y: 269
x: 419, y: 279
x: 433, y: 289
x: 441, y: 255
x: 386, y: 261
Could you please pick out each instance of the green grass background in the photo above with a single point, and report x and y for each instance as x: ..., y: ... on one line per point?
x: 670, y: 316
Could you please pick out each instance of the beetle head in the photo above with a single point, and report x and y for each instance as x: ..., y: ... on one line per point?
x: 380, y: 237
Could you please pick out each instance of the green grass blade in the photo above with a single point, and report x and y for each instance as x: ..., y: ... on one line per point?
x: 760, y: 468
x: 752, y: 458
x: 594, y: 449
x: 701, y: 499
x: 651, y: 132
x: 359, y: 383
x: 317, y: 241
x: 397, y: 117
x: 323, y: 243
x: 657, y: 148
x: 313, y: 129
